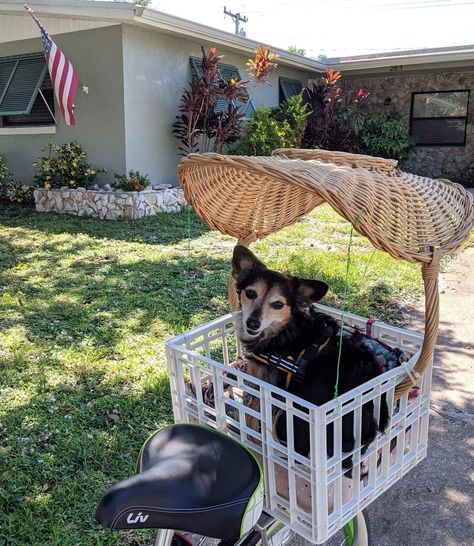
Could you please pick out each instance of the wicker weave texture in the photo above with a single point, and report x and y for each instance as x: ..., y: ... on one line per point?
x: 411, y: 217
x: 404, y: 214
x: 338, y: 158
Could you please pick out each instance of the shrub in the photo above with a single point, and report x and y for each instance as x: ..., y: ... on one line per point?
x: 330, y: 123
x: 337, y: 121
x: 295, y: 112
x: 4, y: 172
x: 262, y: 134
x: 13, y: 190
x: 463, y: 175
x: 135, y: 181
x: 65, y: 165
x: 385, y: 135
x: 271, y: 128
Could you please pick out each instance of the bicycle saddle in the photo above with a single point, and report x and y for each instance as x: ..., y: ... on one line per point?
x: 192, y: 478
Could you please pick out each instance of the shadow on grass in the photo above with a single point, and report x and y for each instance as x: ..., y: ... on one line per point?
x: 163, y: 229
x: 105, y: 301
x: 61, y: 450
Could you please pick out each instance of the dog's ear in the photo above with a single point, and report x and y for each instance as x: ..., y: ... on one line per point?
x: 309, y: 291
x: 244, y: 262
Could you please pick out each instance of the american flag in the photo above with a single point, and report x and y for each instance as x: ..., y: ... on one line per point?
x: 62, y: 73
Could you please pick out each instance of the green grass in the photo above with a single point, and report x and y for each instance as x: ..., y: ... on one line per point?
x: 85, y: 308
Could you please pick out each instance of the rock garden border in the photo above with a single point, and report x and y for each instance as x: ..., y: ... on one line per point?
x: 110, y: 204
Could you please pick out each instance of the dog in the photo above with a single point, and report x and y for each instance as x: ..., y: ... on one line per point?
x: 277, y: 318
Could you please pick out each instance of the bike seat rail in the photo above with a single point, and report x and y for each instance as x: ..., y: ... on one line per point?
x: 191, y: 478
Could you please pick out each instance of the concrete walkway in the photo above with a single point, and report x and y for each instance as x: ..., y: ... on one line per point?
x: 434, y: 503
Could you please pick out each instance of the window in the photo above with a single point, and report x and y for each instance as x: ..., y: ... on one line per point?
x: 289, y: 88
x: 26, y: 93
x: 227, y: 71
x: 439, y: 119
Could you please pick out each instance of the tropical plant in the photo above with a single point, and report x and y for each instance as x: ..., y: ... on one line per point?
x: 13, y: 190
x: 383, y: 134
x: 338, y: 120
x: 213, y: 107
x: 203, y: 123
x: 262, y: 134
x: 262, y: 65
x: 65, y: 165
x: 135, y: 181
x: 271, y: 128
x: 330, y: 122
x: 16, y: 192
x: 295, y: 112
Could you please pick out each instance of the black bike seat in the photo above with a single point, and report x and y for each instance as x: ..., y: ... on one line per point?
x: 192, y: 478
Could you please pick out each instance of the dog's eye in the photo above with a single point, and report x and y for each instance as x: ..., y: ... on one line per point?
x: 277, y: 305
x: 251, y: 294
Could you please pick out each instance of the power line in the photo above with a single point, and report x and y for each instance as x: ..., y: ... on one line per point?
x: 374, y: 6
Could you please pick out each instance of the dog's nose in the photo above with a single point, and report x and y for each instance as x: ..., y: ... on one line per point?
x: 253, y: 324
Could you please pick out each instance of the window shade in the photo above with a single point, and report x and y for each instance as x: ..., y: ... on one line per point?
x: 289, y: 88
x: 227, y: 72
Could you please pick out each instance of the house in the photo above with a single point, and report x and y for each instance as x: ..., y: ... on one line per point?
x: 431, y: 88
x: 133, y: 63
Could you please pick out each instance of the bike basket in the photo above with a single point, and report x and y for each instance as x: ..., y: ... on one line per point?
x: 313, y: 494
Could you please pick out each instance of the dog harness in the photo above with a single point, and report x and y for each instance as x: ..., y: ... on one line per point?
x: 295, y: 368
x: 386, y: 357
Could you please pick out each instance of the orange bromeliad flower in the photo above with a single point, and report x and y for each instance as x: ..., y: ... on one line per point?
x: 262, y: 64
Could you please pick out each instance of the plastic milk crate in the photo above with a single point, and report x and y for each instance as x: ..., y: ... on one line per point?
x: 313, y: 494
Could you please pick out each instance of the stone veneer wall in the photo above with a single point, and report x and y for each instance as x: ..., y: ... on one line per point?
x: 109, y: 204
x: 433, y: 161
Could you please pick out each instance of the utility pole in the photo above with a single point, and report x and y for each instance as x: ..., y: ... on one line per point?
x: 237, y: 19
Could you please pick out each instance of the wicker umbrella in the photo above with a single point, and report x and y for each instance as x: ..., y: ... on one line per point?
x: 411, y: 217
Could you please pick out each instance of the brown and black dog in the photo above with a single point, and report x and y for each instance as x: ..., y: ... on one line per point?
x: 277, y: 318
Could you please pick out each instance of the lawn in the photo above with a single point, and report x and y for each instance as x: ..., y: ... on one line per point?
x: 85, y: 308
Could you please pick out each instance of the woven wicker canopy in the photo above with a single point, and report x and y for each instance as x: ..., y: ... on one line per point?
x: 411, y: 217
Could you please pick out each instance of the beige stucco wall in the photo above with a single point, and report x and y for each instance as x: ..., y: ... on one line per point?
x: 433, y: 161
x: 97, y: 57
x: 156, y: 68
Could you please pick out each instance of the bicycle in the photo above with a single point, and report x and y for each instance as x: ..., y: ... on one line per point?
x: 188, y: 480
x: 415, y: 219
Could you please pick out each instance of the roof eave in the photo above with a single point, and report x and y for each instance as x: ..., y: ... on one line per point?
x: 127, y: 13
x: 119, y: 12
x: 176, y: 25
x: 418, y: 60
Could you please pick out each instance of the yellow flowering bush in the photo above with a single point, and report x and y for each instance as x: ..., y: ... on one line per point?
x: 65, y: 165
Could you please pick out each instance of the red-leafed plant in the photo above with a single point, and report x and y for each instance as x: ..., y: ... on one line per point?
x: 333, y: 114
x: 211, y: 109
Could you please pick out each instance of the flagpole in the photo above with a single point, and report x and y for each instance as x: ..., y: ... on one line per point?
x: 32, y: 13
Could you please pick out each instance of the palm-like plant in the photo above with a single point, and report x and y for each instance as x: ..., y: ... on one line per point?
x: 202, y: 121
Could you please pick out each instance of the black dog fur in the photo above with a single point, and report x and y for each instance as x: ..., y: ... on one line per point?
x: 307, y: 326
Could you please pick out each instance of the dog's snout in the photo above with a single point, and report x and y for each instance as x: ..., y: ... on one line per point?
x: 253, y: 323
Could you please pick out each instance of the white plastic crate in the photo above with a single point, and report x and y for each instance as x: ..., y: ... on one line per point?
x: 310, y: 494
